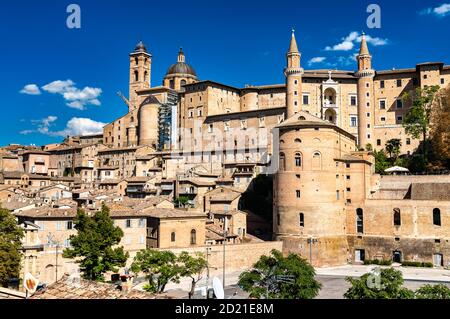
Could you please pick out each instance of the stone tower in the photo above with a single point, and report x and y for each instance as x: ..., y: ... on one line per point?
x: 366, y: 101
x: 293, y: 73
x: 140, y: 71
x: 310, y: 201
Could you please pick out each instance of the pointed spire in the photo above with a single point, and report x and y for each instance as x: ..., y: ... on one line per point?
x: 181, y: 57
x: 364, y: 49
x: 293, y: 46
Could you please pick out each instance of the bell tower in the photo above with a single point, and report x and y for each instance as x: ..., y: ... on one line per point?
x: 140, y: 71
x: 293, y: 73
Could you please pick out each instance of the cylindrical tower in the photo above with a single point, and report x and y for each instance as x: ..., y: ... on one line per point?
x: 148, y: 121
x: 309, y: 214
x: 366, y: 100
x: 293, y: 73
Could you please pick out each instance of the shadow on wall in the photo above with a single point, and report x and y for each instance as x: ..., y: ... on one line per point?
x: 257, y: 200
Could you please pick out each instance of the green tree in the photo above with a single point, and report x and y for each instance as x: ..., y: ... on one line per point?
x: 369, y: 147
x: 192, y: 267
x: 160, y: 267
x: 93, y: 244
x: 181, y: 201
x: 393, y: 148
x: 381, y: 162
x: 433, y: 292
x: 440, y: 134
x: 417, y: 119
x: 11, y: 236
x: 278, y: 277
x: 382, y: 284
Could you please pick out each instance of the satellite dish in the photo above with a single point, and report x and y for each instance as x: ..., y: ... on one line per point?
x: 30, y: 283
x: 218, y: 288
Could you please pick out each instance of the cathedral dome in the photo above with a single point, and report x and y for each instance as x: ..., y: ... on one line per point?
x: 181, y: 67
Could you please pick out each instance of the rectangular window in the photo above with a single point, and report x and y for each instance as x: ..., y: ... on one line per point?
x: 337, y: 195
x: 408, y: 141
x: 442, y: 81
x: 348, y: 177
x: 305, y: 99
x: 243, y: 124
x: 58, y: 225
x: 69, y: 225
x: 399, y: 118
x: 141, y: 222
x: 190, y: 113
x: 302, y: 220
x: 128, y: 223
x: 382, y: 84
x: 399, y: 83
x: 262, y: 121
x: 226, y: 126
x: 353, y: 100
x: 298, y: 193
x: 353, y: 121
x: 382, y: 104
x: 383, y: 119
x: 378, y: 142
x: 399, y: 103
x: 368, y: 114
x: 210, y: 128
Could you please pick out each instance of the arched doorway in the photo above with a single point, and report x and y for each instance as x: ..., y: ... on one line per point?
x: 330, y: 116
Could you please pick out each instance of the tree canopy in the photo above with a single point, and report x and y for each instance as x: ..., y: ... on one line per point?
x: 94, y: 245
x: 279, y: 277
x: 192, y: 267
x: 160, y: 267
x: 11, y: 236
x: 388, y: 284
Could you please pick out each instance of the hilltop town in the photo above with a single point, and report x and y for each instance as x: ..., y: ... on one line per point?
x: 195, y: 164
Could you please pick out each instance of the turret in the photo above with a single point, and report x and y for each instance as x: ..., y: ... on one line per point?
x: 365, y: 75
x: 293, y: 73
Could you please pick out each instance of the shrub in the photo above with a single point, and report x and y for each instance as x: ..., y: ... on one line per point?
x: 417, y: 264
x: 377, y: 262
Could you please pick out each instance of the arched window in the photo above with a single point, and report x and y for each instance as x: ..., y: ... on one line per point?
x: 136, y: 76
x: 359, y: 221
x: 316, y: 162
x: 297, y: 140
x: 145, y: 76
x: 172, y: 84
x: 298, y: 159
x: 302, y: 219
x: 282, y: 162
x: 193, y: 237
x: 437, y: 217
x: 183, y: 82
x: 172, y: 237
x: 302, y: 118
x: 397, y: 217
x: 136, y: 60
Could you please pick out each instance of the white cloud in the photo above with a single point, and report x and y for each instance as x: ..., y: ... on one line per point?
x: 75, y: 126
x: 318, y: 59
x: 348, y: 42
x: 42, y: 125
x: 31, y: 89
x: 81, y: 126
x: 75, y: 97
x: 440, y: 11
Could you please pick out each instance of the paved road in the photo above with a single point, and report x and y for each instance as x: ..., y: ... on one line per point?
x: 334, y: 287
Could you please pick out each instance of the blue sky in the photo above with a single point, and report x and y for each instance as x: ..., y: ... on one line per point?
x: 73, y: 74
